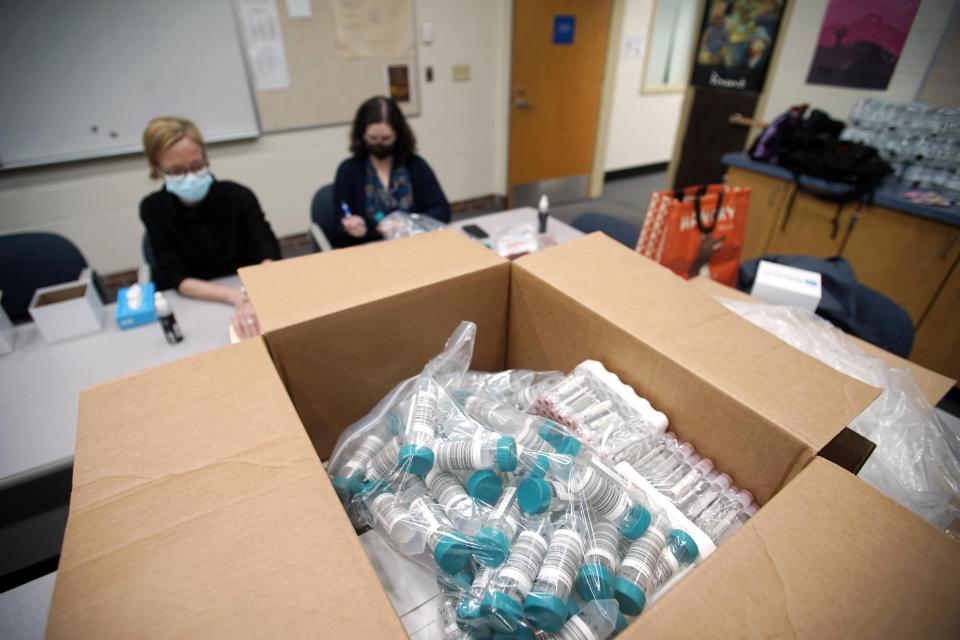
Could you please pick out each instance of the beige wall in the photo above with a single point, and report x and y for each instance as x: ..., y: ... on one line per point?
x: 462, y: 131
x: 787, y: 81
x: 642, y: 127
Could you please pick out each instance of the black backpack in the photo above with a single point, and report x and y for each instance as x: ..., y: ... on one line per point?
x: 812, y: 147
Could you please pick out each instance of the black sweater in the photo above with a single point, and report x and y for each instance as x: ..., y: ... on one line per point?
x: 349, y: 186
x: 225, y: 231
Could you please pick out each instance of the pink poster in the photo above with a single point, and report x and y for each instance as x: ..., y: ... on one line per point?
x: 860, y: 42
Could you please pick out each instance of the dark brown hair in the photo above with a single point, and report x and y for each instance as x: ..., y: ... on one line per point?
x: 383, y: 109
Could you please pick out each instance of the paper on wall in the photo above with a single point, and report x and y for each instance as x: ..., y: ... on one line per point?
x: 373, y: 28
x: 299, y: 9
x: 263, y: 39
x: 633, y: 47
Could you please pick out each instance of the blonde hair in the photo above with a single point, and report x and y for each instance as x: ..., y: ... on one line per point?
x: 164, y: 132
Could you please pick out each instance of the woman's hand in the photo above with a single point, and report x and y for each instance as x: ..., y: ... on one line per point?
x: 355, y: 225
x: 245, y: 322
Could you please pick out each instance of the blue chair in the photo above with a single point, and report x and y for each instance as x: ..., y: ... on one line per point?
x: 324, y: 219
x: 623, y: 232
x: 29, y: 261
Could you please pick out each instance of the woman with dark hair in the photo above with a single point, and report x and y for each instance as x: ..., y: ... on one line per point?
x: 384, y: 175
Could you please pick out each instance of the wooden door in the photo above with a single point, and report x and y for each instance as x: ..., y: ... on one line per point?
x: 767, y: 198
x: 937, y: 342
x: 555, y: 96
x: 902, y: 256
x: 810, y: 226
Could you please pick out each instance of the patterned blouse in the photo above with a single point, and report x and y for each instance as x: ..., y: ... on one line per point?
x: 397, y: 196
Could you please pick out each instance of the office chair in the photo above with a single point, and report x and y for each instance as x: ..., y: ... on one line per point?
x: 323, y: 218
x: 29, y: 261
x: 623, y: 232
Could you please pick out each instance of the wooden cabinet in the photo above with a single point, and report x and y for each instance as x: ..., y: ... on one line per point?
x: 767, y: 199
x: 905, y: 257
x: 937, y: 341
x: 913, y: 260
x: 810, y: 226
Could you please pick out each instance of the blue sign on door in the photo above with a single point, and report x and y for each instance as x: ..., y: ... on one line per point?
x: 563, y: 27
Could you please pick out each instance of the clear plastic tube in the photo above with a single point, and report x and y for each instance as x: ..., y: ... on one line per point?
x: 416, y: 454
x: 723, y: 512
x: 392, y: 517
x: 595, y: 579
x: 503, y: 602
x: 492, y: 542
x: 681, y: 550
x: 447, y: 490
x: 611, y: 502
x: 595, y: 621
x: 639, y: 565
x: 384, y: 464
x: 447, y: 619
x: 668, y: 478
x: 451, y: 549
x: 504, y: 419
x: 655, y: 472
x: 480, y: 452
x: 706, y: 492
x: 682, y: 487
x: 546, y: 604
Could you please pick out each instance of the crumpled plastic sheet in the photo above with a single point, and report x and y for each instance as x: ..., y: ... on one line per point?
x: 917, y: 459
x: 403, y: 225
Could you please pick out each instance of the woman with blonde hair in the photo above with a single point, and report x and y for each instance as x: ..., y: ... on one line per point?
x: 201, y: 228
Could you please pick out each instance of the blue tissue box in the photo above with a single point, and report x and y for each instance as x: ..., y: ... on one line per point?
x: 128, y: 318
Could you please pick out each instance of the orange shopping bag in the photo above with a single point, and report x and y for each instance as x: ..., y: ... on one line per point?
x: 698, y: 231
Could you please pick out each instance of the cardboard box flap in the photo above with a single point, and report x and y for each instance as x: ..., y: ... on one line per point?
x: 200, y: 509
x: 828, y: 557
x: 785, y: 386
x: 323, y: 283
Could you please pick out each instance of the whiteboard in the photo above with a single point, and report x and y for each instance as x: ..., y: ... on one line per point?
x: 81, y: 79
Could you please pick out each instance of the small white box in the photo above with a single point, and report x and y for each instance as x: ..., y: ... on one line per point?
x: 780, y: 284
x: 6, y: 331
x: 68, y: 310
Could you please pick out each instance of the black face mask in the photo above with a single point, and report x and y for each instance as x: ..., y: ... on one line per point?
x: 380, y: 151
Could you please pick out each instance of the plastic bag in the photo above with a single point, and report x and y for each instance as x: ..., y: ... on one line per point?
x: 400, y: 224
x: 917, y: 459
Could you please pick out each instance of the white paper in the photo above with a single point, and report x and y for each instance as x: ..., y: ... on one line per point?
x: 373, y: 28
x: 633, y: 47
x: 299, y: 9
x: 407, y: 585
x: 263, y: 39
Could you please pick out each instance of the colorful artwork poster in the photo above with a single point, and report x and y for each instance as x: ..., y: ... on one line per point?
x: 735, y: 43
x: 860, y: 42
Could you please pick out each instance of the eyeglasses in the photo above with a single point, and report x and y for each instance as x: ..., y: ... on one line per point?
x: 181, y: 171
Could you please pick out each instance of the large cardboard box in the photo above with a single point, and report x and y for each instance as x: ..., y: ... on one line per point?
x: 200, y: 507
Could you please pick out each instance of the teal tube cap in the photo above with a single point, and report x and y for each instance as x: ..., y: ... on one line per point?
x: 490, y: 547
x: 635, y: 523
x: 594, y: 582
x: 485, y: 485
x: 503, y: 612
x: 452, y: 553
x: 414, y: 459
x: 630, y: 597
x: 506, y: 454
x: 570, y: 446
x: 685, y: 545
x: 545, y: 611
x: 551, y: 432
x: 346, y: 488
x: 534, y: 495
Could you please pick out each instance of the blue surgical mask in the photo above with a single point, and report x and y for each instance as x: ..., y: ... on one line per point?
x: 192, y: 187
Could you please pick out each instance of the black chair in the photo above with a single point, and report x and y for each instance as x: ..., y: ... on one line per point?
x: 323, y: 219
x: 147, y: 249
x: 623, y: 232
x: 30, y: 261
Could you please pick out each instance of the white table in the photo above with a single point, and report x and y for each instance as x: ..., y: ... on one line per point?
x: 41, y: 382
x: 496, y: 223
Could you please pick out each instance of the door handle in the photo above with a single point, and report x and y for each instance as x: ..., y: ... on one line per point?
x: 523, y: 103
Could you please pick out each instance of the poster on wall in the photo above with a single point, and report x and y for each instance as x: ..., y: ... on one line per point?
x: 735, y: 43
x: 860, y: 42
